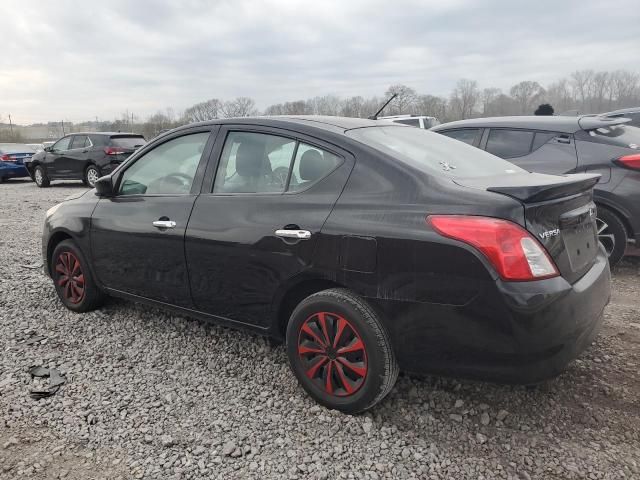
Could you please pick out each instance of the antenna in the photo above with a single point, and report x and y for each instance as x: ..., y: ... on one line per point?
x: 375, y: 115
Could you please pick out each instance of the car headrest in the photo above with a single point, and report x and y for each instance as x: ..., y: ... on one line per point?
x: 313, y: 165
x: 251, y: 160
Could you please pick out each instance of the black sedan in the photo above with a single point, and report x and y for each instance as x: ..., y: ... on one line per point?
x: 367, y: 247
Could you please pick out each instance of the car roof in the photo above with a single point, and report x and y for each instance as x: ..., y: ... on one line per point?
x: 536, y: 122
x: 323, y: 122
x: 106, y: 133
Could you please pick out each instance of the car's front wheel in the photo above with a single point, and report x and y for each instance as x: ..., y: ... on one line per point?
x: 612, y: 234
x: 40, y: 177
x: 91, y: 176
x: 340, y: 352
x: 74, y: 283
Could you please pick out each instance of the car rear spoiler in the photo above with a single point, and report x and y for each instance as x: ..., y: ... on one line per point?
x: 591, y: 122
x: 534, y: 187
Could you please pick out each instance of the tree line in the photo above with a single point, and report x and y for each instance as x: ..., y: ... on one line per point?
x: 582, y: 92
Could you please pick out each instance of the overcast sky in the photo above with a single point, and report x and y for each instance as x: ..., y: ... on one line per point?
x: 75, y: 60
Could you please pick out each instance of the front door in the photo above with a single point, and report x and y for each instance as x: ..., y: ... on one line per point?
x: 55, y: 157
x: 259, y: 226
x: 137, y: 236
x: 73, y: 162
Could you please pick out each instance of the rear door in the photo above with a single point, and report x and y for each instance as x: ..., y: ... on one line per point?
x: 535, y: 151
x: 257, y: 227
x: 137, y: 236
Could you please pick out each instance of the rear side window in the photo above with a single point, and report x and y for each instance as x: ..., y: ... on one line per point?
x: 254, y: 163
x: 127, y: 142
x: 541, y: 138
x: 467, y: 135
x: 618, y: 135
x: 311, y: 164
x: 509, y: 143
x: 432, y: 152
x: 79, y: 141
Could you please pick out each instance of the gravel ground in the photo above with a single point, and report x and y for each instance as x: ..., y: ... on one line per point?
x: 153, y: 395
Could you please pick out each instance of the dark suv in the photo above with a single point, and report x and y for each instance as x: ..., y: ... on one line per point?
x: 83, y: 156
x: 560, y: 145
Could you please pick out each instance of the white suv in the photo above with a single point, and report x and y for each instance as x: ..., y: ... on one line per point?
x: 420, y: 121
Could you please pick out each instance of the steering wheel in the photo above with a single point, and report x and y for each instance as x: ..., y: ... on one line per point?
x: 179, y: 175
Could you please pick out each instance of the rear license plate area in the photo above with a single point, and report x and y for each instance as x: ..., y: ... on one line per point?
x: 579, y: 236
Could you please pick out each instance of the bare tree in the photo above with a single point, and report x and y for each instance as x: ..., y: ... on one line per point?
x: 526, y: 93
x: 203, y: 111
x: 239, y: 107
x: 405, y: 101
x: 432, y: 106
x: 464, y: 98
x: 352, y: 107
x: 559, y: 96
x: 580, y: 81
x: 489, y: 96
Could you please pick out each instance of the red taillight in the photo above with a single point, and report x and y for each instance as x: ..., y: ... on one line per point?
x: 113, y: 150
x: 629, y: 161
x: 513, y: 252
x: 7, y: 158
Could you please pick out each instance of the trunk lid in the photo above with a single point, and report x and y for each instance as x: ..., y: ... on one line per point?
x: 559, y: 212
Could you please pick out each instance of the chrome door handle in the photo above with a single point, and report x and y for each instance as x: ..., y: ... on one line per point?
x: 295, y: 234
x: 164, y: 224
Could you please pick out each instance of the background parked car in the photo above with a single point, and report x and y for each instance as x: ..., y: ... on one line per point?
x: 631, y: 113
x: 562, y: 144
x: 83, y: 156
x: 420, y: 121
x: 12, y: 158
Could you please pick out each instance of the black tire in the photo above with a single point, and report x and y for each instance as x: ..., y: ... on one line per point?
x: 347, y: 391
x: 40, y: 177
x: 612, y: 234
x: 63, y: 261
x: 91, y: 174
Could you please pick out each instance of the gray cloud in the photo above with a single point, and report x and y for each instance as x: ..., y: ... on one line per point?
x: 75, y: 60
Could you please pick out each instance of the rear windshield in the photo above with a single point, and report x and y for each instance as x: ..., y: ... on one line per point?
x: 434, y: 153
x: 618, y: 135
x: 15, y: 148
x: 127, y: 142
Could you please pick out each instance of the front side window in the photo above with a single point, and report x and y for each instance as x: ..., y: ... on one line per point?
x: 467, y: 135
x: 254, y: 163
x: 62, y: 144
x: 167, y: 169
x: 509, y: 143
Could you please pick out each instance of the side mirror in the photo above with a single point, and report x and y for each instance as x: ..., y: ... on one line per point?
x: 48, y: 149
x: 104, y: 186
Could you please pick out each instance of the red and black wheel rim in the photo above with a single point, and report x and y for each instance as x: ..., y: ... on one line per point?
x: 332, y: 353
x: 69, y: 277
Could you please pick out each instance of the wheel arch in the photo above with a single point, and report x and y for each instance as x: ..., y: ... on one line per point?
x: 618, y: 213
x: 54, y: 240
x: 292, y: 296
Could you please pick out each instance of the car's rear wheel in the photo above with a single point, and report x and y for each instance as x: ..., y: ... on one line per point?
x: 612, y: 234
x: 74, y: 283
x: 40, y: 177
x: 339, y: 351
x: 91, y: 175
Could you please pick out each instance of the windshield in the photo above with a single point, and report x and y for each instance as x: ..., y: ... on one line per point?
x: 432, y: 152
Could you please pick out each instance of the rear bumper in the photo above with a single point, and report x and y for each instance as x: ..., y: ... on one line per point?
x: 11, y: 170
x: 513, y: 332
